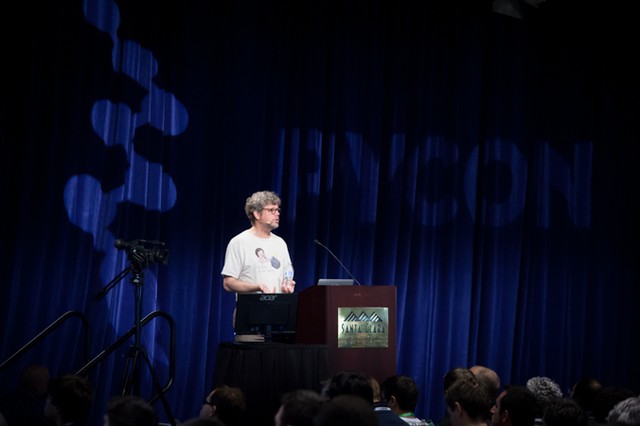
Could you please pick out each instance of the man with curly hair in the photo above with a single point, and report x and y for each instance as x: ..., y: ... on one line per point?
x: 546, y: 391
x: 625, y: 413
x: 245, y: 269
x: 256, y: 259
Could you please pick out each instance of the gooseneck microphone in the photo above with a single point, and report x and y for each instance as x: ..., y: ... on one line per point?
x: 336, y: 258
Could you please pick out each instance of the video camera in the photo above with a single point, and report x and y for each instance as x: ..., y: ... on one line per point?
x: 143, y: 252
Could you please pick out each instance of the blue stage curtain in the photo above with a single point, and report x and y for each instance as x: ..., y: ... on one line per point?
x: 482, y: 164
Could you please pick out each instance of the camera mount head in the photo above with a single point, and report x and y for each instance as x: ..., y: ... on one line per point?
x: 142, y: 253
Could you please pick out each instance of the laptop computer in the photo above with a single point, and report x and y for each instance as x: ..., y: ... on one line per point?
x: 334, y: 281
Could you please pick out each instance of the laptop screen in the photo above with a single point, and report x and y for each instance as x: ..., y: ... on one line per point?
x: 334, y: 281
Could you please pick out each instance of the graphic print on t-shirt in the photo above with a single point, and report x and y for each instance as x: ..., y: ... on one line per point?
x: 264, y: 262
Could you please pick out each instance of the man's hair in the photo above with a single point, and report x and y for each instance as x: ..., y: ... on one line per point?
x: 203, y: 421
x: 606, y: 398
x: 488, y: 377
x: 545, y: 391
x: 584, y: 391
x: 346, y: 410
x: 473, y: 396
x: 455, y: 374
x: 625, y: 413
x: 564, y: 412
x: 258, y: 200
x: 350, y: 383
x: 35, y: 380
x: 72, y: 395
x: 130, y: 410
x: 521, y: 405
x: 300, y: 407
x: 230, y: 404
x: 405, y: 390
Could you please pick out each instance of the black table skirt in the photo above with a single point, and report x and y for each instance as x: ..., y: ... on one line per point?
x: 265, y: 371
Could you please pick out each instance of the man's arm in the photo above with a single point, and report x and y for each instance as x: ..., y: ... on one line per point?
x: 235, y: 285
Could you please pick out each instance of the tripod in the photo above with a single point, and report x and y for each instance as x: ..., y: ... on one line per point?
x: 139, y: 257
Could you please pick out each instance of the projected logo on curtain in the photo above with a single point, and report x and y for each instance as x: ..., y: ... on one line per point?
x: 546, y: 174
x: 145, y: 183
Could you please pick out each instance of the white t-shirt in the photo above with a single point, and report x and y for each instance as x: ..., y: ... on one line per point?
x: 257, y: 260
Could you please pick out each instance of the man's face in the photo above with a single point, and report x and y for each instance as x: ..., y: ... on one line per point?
x: 270, y: 216
x: 456, y: 414
x: 496, y: 418
x: 50, y: 410
x: 207, y: 409
x: 277, y: 419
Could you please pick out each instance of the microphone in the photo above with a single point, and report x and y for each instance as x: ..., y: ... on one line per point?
x: 336, y: 258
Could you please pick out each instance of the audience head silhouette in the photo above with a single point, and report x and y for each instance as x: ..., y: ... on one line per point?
x: 515, y: 406
x: 455, y: 374
x: 70, y: 399
x: 468, y: 403
x: 226, y: 403
x: 35, y: 380
x: 564, y: 412
x: 204, y: 421
x: 129, y: 410
x: 545, y: 390
x: 584, y: 391
x: 488, y: 377
x: 346, y: 410
x: 350, y: 383
x: 298, y: 408
x: 606, y: 398
x: 625, y: 413
x: 25, y: 404
x: 401, y: 393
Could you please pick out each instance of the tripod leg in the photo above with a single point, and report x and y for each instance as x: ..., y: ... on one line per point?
x: 130, y: 375
x: 158, y: 386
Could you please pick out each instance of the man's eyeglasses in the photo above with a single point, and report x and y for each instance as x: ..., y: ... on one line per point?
x: 273, y: 210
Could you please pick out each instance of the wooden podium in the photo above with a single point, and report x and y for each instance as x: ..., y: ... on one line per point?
x: 335, y: 315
